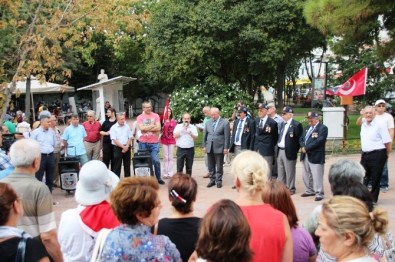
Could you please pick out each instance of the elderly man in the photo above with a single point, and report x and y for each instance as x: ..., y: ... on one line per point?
x: 288, y: 148
x: 312, y: 143
x: 45, y: 136
x: 186, y: 135
x: 38, y: 216
x: 265, y: 136
x: 389, y: 122
x: 241, y: 135
x: 92, y: 140
x: 73, y: 140
x: 121, y: 139
x: 216, y: 144
x: 376, y: 146
x: 57, y: 149
x: 272, y: 113
x: 149, y: 125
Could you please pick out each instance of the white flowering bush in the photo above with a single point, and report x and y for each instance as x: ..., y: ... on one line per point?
x: 193, y: 99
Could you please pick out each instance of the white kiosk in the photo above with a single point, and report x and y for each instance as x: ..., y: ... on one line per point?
x: 108, y: 90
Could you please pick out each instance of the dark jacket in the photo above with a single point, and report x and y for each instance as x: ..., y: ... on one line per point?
x: 264, y: 139
x: 245, y: 136
x: 315, y: 144
x: 292, y: 138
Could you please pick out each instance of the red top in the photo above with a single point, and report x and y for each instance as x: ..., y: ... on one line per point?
x: 167, y: 137
x: 267, y: 232
x: 92, y: 131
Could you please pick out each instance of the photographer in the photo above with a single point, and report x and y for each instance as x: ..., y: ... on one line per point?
x: 185, y: 135
x: 237, y: 107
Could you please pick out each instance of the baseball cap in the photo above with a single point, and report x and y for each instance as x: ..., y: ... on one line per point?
x: 95, y: 183
x: 242, y: 109
x: 380, y: 101
x: 312, y: 114
x: 288, y: 109
x: 263, y: 106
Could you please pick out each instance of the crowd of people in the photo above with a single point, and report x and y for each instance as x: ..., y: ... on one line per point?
x: 117, y: 218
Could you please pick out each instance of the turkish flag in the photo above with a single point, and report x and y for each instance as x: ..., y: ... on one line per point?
x: 165, y: 114
x: 355, y: 86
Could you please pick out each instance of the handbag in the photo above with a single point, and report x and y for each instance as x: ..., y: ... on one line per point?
x: 99, y: 245
x: 20, y: 253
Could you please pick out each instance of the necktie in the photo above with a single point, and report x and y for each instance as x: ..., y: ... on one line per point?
x: 308, y: 133
x: 239, y: 130
x: 261, y: 123
x: 282, y: 128
x: 214, y: 125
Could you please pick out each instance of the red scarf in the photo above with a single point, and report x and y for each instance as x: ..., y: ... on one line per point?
x: 97, y: 217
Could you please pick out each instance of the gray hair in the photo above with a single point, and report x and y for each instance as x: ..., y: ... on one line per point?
x: 23, y: 152
x: 344, y: 173
x: 91, y: 112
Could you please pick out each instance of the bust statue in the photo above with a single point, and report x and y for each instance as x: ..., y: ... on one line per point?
x: 102, y: 76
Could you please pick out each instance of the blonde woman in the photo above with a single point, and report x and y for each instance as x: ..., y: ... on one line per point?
x: 346, y: 228
x: 270, y: 232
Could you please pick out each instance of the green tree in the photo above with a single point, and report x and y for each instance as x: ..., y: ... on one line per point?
x: 38, y: 33
x: 244, y: 42
x: 354, y: 22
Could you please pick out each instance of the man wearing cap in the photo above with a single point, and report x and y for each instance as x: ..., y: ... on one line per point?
x: 216, y: 144
x: 241, y: 135
x: 80, y: 226
x: 288, y: 146
x: 387, y: 118
x: 264, y: 136
x: 312, y: 143
x: 376, y: 146
x: 272, y: 113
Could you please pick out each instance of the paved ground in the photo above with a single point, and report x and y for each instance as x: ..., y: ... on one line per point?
x: 207, y: 196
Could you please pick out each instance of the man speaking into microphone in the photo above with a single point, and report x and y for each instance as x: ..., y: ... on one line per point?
x: 185, y: 135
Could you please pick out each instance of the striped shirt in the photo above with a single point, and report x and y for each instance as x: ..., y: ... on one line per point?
x: 38, y: 215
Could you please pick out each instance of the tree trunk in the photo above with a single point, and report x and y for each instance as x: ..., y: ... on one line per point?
x: 27, y: 98
x: 280, y: 76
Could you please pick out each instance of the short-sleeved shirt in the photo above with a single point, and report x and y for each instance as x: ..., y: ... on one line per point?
x: 34, y: 251
x: 374, y: 135
x: 38, y: 215
x: 106, y: 126
x: 387, y: 118
x: 92, y: 131
x: 137, y: 243
x: 75, y: 140
x: 185, y: 140
x: 183, y: 232
x: 120, y: 133
x: 303, y: 244
x: 148, y: 119
x: 46, y: 139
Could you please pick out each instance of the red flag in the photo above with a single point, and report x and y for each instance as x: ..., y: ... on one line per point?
x: 165, y: 114
x: 355, y: 86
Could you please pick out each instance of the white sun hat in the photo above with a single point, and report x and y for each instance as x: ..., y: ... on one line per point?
x: 95, y: 183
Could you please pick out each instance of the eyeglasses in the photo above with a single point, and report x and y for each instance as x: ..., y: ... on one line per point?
x: 284, y: 113
x: 381, y: 105
x: 89, y: 116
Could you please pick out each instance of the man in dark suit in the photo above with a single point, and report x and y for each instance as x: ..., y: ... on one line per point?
x: 265, y: 136
x: 288, y: 147
x: 216, y: 144
x: 241, y: 135
x: 312, y: 143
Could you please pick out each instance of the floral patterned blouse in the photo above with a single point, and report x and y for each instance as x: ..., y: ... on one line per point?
x: 137, y: 243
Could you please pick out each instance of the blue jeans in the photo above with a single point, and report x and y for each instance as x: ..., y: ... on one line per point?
x: 153, y: 149
x: 384, y: 176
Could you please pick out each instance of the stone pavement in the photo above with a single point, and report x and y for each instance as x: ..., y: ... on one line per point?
x: 207, y: 196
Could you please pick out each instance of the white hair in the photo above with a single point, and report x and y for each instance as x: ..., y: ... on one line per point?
x: 23, y: 152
